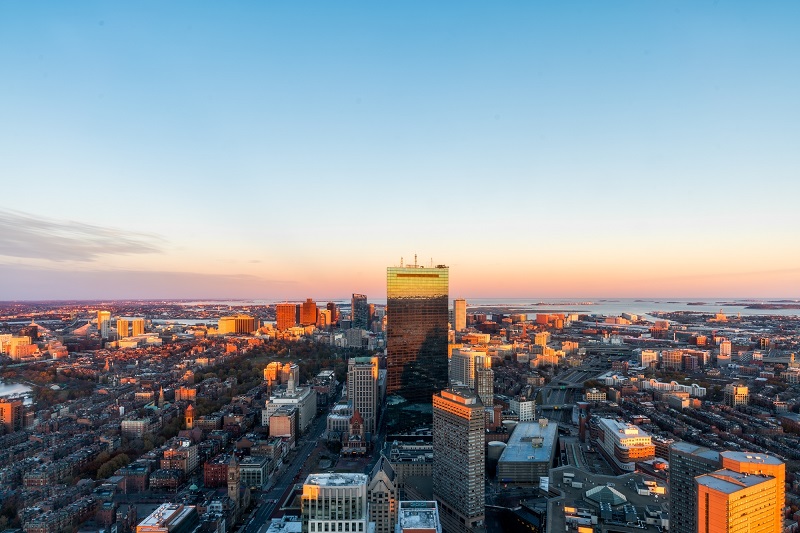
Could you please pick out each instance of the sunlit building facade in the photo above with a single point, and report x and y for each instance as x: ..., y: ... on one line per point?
x: 285, y: 316
x: 459, y: 314
x: 732, y: 501
x: 416, y: 307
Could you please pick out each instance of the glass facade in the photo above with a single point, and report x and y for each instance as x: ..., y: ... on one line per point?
x: 416, y: 331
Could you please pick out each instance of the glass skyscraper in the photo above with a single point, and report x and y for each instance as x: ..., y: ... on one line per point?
x: 416, y: 331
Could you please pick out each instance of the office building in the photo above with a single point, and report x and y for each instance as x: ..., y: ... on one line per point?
x: 733, y: 501
x: 359, y: 311
x: 304, y: 399
x: 103, y: 323
x: 686, y: 462
x: 362, y: 389
x: 458, y: 458
x: 418, y: 517
x: 308, y: 313
x: 761, y: 464
x: 334, y: 310
x: 524, y: 407
x: 625, y: 444
x: 416, y: 307
x: 237, y: 324
x: 459, y: 314
x: 285, y: 316
x: 382, y: 496
x: 335, y: 502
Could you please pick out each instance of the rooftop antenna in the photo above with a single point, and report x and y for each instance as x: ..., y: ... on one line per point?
x: 415, y: 260
x: 401, y: 262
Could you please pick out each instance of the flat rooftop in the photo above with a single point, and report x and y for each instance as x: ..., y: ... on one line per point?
x: 417, y: 515
x: 624, y: 429
x: 336, y: 480
x: 753, y: 458
x: 166, y: 514
x: 728, y: 481
x: 531, y: 441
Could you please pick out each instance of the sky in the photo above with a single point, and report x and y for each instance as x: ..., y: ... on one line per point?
x: 284, y: 150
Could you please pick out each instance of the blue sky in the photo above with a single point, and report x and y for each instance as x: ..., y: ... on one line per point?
x: 292, y: 149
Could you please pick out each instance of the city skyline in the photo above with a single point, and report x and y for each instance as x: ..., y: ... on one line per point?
x: 264, y: 151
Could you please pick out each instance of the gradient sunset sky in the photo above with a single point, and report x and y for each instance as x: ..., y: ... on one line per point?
x: 294, y: 149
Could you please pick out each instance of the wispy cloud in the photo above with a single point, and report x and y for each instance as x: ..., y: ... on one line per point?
x: 33, y: 237
x: 33, y: 283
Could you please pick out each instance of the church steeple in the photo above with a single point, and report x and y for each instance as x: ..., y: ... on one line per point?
x: 234, y: 479
x: 188, y: 417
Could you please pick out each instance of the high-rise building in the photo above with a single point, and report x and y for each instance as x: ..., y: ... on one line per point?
x: 484, y: 380
x: 362, y: 389
x: 416, y: 308
x: 335, y: 502
x: 334, y: 310
x: 137, y: 326
x: 122, y: 328
x: 285, y: 316
x: 359, y: 311
x: 308, y: 313
x: 686, y: 462
x: 382, y: 496
x: 458, y: 459
x: 103, y: 320
x: 733, y: 501
x: 625, y: 444
x: 761, y: 464
x: 459, y: 314
x: 12, y: 414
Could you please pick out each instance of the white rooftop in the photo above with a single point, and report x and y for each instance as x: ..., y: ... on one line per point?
x: 338, y: 479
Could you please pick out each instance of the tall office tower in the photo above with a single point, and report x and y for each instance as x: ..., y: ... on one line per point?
x: 382, y: 496
x: 334, y: 311
x: 308, y: 313
x: 359, y: 312
x: 122, y: 328
x: 458, y: 458
x: 484, y: 380
x: 416, y: 337
x: 285, y: 315
x: 370, y: 314
x: 103, y: 320
x: 686, y: 462
x: 459, y: 314
x: 462, y: 367
x: 734, y: 501
x: 763, y: 464
x: 137, y: 326
x: 362, y: 388
x: 335, y: 502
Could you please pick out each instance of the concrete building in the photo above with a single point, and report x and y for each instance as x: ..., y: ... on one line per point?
x: 302, y: 398
x: 736, y: 394
x: 686, y: 462
x: 335, y: 502
x: 459, y: 314
x: 732, y: 501
x: 459, y: 460
x: 529, y: 452
x: 761, y: 464
x: 12, y: 415
x: 104, y: 323
x: 362, y: 389
x: 625, y: 444
x: 524, y: 407
x: 418, y: 517
x: 308, y: 313
x: 283, y: 423
x: 237, y: 324
x: 484, y: 380
x: 254, y: 471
